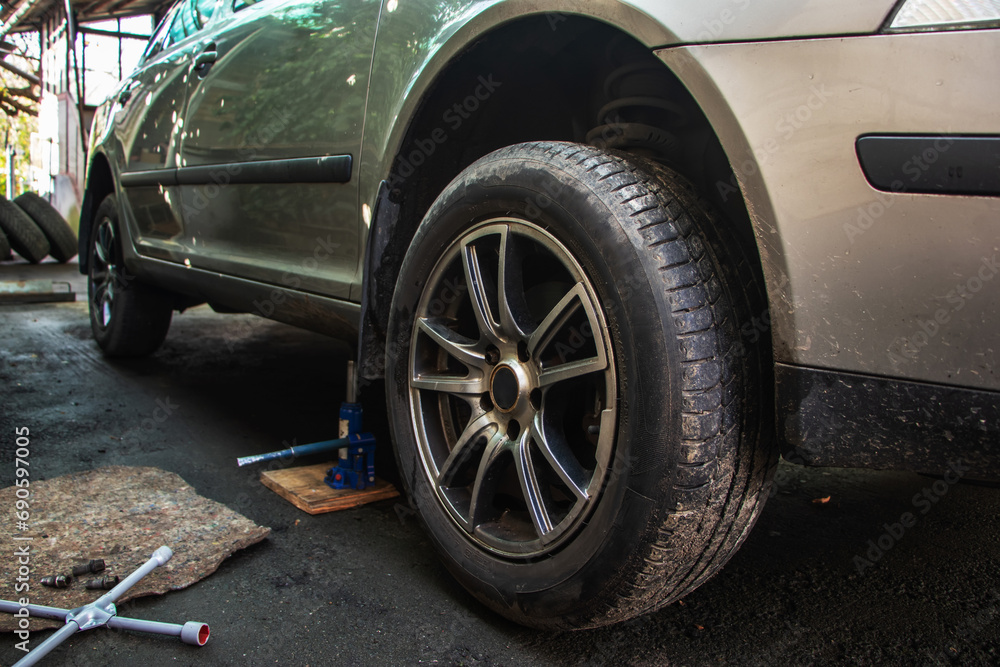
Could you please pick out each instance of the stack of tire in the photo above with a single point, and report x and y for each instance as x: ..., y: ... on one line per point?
x: 32, y: 228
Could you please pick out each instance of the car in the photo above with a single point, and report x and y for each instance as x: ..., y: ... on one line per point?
x: 610, y: 259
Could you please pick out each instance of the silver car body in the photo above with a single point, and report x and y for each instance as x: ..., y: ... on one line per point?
x: 865, y: 283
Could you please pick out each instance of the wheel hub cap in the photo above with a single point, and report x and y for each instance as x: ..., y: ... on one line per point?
x: 504, y: 389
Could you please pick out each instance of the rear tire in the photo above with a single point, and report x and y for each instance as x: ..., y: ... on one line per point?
x: 62, y: 240
x: 26, y: 239
x: 128, y: 318
x: 582, y: 432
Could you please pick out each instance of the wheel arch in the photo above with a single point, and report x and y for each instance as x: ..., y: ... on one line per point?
x: 405, y: 167
x: 100, y: 184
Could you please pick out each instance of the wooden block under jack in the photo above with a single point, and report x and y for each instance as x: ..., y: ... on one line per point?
x: 304, y: 487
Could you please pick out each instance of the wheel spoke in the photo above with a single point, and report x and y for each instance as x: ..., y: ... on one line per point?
x: 572, y: 370
x: 553, y: 323
x: 511, y: 301
x: 605, y: 438
x: 487, y: 476
x: 102, y: 253
x: 99, y: 274
x: 479, y: 288
x: 104, y: 306
x: 450, y: 384
x: 561, y: 460
x: 530, y: 486
x: 455, y: 344
x: 463, y: 449
x: 556, y: 319
x: 104, y: 244
x: 100, y: 294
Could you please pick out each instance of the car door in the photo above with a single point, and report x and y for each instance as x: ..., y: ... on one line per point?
x: 148, y: 122
x: 272, y: 129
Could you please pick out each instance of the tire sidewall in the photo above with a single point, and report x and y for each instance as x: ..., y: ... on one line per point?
x: 62, y: 240
x: 607, y: 545
x: 23, y: 235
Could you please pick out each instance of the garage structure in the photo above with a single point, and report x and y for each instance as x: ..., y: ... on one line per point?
x: 72, y: 55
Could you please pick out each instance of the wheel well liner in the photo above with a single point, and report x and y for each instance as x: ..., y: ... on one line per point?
x: 100, y: 183
x: 598, y: 85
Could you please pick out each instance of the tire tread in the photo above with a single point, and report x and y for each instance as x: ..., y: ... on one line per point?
x: 62, y: 240
x: 730, y: 493
x: 25, y: 238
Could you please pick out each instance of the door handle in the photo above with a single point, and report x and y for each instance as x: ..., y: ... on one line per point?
x: 204, y: 60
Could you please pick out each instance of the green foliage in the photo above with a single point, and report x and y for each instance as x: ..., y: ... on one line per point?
x: 16, y: 133
x: 18, y: 109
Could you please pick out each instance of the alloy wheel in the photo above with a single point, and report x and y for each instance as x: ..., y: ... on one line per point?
x: 513, y: 388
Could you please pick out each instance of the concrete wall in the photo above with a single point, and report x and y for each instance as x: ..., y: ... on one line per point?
x: 57, y: 159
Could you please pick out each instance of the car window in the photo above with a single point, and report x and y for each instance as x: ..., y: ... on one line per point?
x: 190, y: 18
x: 155, y: 44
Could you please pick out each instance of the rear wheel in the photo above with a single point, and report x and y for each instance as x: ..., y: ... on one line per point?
x: 574, y: 417
x: 128, y: 318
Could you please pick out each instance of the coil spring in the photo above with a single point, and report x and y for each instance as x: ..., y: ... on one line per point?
x: 636, y: 122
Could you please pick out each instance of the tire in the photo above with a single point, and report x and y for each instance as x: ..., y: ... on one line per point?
x: 603, y: 447
x: 4, y: 247
x: 62, y: 240
x: 128, y: 318
x: 24, y: 235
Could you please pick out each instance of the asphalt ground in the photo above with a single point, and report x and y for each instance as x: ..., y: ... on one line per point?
x: 895, y: 568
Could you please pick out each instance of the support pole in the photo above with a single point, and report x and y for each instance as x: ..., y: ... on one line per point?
x: 10, y: 172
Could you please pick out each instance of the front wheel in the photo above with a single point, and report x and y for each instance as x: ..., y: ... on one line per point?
x: 575, y: 419
x: 128, y: 318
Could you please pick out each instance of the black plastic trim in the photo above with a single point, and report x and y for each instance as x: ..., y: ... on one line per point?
x: 377, y: 285
x: 832, y: 418
x: 938, y: 164
x: 326, y: 169
x: 151, y: 178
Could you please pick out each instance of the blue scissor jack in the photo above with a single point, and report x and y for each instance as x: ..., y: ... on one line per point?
x: 355, y: 467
